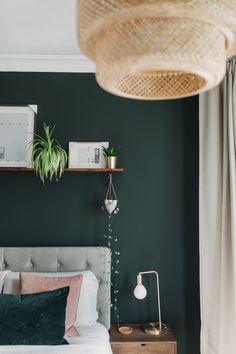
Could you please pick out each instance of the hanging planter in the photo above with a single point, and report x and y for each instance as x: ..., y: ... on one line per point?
x: 110, y: 205
x: 111, y: 198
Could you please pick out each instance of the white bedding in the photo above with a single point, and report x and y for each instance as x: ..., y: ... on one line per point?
x: 92, y: 340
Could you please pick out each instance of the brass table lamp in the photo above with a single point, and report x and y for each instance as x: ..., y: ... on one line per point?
x: 140, y: 292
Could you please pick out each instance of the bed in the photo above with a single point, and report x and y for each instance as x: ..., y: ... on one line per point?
x: 93, y: 339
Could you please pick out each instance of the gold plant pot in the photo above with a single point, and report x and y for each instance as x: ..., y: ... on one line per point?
x: 111, y: 161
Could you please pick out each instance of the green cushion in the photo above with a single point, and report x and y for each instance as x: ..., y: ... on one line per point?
x: 35, y: 319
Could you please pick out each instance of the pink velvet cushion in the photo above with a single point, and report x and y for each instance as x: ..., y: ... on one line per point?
x: 31, y: 284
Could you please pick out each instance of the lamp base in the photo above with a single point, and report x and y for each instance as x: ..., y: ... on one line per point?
x: 154, y: 328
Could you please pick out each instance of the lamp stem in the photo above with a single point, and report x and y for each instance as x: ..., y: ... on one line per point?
x: 158, y: 295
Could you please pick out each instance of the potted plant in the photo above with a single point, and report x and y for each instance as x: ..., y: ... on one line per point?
x: 111, y: 155
x: 48, y: 157
x: 111, y: 241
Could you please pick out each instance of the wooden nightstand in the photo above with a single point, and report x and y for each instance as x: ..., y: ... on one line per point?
x: 139, y: 342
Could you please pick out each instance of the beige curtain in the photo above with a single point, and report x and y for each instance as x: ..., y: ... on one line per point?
x: 217, y: 212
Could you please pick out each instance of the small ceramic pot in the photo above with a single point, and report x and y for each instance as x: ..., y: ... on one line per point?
x: 110, y: 205
x: 111, y: 161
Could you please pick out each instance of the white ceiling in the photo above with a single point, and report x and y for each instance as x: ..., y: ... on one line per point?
x: 40, y: 35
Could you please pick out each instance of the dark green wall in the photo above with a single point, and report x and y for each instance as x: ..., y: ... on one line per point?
x: 158, y: 194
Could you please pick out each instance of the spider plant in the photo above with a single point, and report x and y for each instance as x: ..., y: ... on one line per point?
x: 48, y: 157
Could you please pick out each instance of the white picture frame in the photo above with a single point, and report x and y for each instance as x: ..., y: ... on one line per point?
x: 87, y: 154
x: 16, y: 132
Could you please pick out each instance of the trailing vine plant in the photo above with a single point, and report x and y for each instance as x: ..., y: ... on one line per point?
x: 111, y: 241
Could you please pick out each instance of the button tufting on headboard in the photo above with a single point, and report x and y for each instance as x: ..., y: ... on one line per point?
x: 64, y: 259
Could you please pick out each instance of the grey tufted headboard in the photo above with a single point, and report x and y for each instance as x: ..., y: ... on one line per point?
x: 64, y: 259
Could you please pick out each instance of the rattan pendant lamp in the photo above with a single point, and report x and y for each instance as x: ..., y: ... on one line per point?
x: 157, y: 49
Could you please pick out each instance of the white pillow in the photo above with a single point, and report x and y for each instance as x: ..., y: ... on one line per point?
x: 3, y: 273
x: 87, y: 314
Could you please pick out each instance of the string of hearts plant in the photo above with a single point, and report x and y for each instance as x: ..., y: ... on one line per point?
x: 111, y: 241
x: 48, y: 157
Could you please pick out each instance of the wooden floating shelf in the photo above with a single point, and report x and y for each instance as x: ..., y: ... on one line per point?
x: 102, y: 170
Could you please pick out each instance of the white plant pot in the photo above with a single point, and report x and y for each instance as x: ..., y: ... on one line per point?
x: 110, y: 205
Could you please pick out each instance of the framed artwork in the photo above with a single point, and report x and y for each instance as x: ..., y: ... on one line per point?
x: 16, y: 132
x: 87, y: 155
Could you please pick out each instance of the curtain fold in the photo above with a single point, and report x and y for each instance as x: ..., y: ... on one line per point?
x: 217, y: 216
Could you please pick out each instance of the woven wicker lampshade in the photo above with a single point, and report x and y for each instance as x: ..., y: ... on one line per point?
x: 157, y: 49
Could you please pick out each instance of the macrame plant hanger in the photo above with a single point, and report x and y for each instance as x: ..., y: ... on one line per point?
x: 111, y: 198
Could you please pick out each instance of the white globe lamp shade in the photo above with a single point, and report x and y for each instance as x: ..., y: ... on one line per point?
x: 140, y: 292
